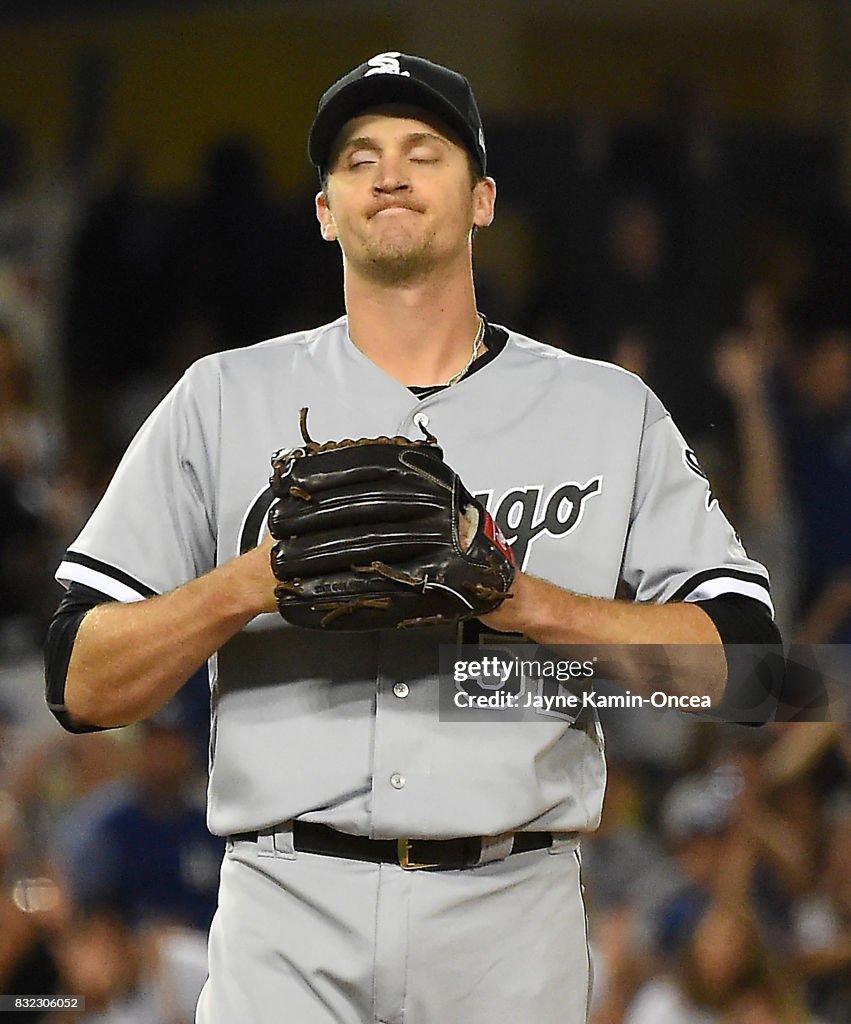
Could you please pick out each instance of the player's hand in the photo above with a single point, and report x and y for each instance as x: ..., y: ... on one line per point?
x: 255, y: 569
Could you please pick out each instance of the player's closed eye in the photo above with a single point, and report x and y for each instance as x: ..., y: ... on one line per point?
x: 362, y: 158
x: 424, y: 155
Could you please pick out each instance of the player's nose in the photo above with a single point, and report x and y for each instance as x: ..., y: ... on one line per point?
x: 391, y: 176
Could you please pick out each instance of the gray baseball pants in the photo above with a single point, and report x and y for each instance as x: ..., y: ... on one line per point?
x: 309, y: 939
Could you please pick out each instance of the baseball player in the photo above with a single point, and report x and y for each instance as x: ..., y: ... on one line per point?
x: 382, y: 865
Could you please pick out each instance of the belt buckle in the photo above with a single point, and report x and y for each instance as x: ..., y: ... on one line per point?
x: 403, y: 855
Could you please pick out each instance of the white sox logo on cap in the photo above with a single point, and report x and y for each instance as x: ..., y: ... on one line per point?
x: 386, y: 64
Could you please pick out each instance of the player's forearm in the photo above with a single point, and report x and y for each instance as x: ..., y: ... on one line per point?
x: 669, y: 647
x: 128, y: 659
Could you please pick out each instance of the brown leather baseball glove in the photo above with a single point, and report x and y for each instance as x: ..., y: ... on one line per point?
x: 379, y: 533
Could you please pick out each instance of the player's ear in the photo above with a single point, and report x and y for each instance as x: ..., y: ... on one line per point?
x: 484, y: 199
x: 327, y: 226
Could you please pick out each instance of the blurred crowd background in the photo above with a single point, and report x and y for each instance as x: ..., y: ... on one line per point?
x: 674, y: 195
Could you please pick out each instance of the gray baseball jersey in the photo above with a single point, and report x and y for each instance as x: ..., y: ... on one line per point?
x: 581, y: 467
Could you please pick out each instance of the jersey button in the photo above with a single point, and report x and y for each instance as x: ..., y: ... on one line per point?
x: 400, y: 689
x: 397, y: 781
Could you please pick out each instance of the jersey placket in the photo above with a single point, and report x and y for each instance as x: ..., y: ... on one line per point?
x: 399, y: 761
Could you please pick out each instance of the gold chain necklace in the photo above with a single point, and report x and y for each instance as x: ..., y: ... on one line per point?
x: 477, y: 343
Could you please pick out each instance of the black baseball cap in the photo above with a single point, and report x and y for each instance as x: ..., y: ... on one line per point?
x: 394, y: 77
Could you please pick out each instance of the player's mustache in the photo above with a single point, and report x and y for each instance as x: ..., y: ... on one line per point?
x: 393, y: 204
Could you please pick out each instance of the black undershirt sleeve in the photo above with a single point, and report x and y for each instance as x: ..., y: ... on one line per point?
x: 741, y: 620
x: 61, y: 635
x: 756, y: 665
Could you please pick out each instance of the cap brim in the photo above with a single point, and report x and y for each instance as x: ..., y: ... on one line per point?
x: 376, y: 90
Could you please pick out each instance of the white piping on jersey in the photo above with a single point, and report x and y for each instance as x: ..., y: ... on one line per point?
x: 248, y: 512
x: 720, y: 585
x: 73, y: 572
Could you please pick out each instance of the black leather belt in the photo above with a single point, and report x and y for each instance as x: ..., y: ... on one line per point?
x: 412, y: 854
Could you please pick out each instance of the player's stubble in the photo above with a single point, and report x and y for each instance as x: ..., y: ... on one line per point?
x: 398, y: 257
x: 398, y: 254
